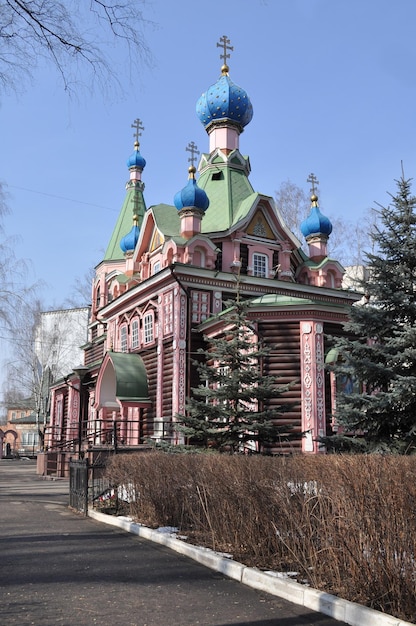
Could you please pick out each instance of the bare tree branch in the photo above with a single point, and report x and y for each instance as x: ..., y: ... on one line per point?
x: 77, y: 38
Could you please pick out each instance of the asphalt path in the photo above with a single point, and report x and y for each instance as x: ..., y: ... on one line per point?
x: 60, y: 568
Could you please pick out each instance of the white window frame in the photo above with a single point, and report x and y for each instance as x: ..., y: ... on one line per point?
x: 148, y: 328
x: 135, y: 336
x: 200, y: 303
x: 262, y: 260
x: 123, y: 338
x: 168, y: 313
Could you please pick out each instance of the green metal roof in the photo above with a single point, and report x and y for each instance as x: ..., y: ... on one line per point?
x: 282, y: 300
x: 228, y: 190
x: 133, y: 202
x: 275, y: 299
x: 131, y: 377
x: 245, y: 207
x: 167, y: 219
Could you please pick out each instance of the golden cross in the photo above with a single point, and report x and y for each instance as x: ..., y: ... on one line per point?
x: 314, y: 181
x: 223, y: 43
x: 137, y: 125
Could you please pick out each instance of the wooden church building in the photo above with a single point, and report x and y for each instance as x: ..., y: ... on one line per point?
x: 165, y: 276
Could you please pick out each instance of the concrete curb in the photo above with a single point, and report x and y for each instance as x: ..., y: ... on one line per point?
x: 337, y: 608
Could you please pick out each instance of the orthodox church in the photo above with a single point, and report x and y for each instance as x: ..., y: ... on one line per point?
x: 165, y: 276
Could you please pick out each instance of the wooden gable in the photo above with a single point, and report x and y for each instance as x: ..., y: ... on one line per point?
x: 259, y: 226
x: 156, y: 241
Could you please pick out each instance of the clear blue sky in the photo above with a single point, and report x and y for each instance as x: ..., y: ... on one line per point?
x: 333, y: 88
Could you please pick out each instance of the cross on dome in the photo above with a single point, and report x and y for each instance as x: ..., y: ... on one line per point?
x: 136, y: 160
x: 137, y: 125
x: 314, y: 181
x: 224, y: 44
x: 193, y: 149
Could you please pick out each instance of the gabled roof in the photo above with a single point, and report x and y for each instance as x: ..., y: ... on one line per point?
x: 227, y: 187
x: 133, y: 201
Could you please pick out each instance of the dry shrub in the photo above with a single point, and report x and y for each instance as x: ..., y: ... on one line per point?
x: 345, y: 524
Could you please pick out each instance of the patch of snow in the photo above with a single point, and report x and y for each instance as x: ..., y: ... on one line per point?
x: 169, y: 530
x: 285, y: 575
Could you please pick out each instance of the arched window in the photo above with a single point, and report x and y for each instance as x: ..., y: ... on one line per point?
x: 123, y: 338
x: 135, y: 334
x: 148, y: 328
x: 330, y: 279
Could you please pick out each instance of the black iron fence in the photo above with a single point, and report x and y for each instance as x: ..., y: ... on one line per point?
x: 78, y: 485
x: 87, y: 483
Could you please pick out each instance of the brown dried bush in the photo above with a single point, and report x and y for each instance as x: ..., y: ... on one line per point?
x: 345, y: 524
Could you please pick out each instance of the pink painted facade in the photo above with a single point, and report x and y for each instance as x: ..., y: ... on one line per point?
x: 166, y: 274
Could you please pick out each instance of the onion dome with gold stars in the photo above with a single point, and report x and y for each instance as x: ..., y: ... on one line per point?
x: 225, y: 101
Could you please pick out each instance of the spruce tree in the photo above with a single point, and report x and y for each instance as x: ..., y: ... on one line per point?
x: 230, y: 409
x: 378, y: 354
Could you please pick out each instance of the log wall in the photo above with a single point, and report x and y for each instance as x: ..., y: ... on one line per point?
x: 283, y: 363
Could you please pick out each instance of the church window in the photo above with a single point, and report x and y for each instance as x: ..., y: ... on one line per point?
x: 167, y: 313
x: 259, y: 265
x: 135, y: 334
x: 148, y: 328
x: 123, y: 338
x: 200, y: 306
x: 156, y: 267
x: 97, y: 297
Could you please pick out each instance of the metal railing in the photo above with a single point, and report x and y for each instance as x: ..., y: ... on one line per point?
x: 107, y: 435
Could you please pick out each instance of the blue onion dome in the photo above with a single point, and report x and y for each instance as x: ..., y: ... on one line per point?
x: 191, y: 196
x: 316, y: 223
x: 136, y: 159
x: 225, y: 101
x: 129, y: 241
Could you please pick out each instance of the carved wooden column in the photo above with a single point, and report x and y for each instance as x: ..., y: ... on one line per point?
x: 179, y: 358
x: 313, y: 385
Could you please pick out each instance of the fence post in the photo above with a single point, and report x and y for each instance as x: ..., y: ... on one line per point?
x: 87, y: 476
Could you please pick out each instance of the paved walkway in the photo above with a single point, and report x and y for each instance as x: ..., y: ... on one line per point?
x: 58, y: 568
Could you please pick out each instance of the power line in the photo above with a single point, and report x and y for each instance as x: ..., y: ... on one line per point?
x: 50, y: 195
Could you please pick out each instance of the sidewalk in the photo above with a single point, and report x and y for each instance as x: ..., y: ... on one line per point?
x: 58, y: 568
